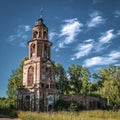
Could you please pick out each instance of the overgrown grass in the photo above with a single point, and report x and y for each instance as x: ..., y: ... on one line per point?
x: 83, y: 115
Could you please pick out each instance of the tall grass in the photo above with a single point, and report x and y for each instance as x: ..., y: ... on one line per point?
x: 83, y: 115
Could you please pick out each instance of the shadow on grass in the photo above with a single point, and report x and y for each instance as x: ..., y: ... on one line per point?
x: 8, y: 113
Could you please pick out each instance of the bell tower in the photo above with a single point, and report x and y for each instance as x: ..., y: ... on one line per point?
x: 39, y: 87
x: 39, y: 46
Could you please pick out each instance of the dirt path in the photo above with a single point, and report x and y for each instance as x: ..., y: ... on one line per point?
x: 3, y: 117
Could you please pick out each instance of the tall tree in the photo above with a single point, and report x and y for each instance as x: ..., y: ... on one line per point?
x: 95, y: 84
x: 61, y: 78
x: 111, y: 85
x: 79, y: 77
x: 15, y: 81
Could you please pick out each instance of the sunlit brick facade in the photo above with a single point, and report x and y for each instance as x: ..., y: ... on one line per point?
x: 38, y: 92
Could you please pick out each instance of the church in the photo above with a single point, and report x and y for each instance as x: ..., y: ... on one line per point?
x: 38, y: 92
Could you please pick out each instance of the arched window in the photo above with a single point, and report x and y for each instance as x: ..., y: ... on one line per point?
x: 48, y: 73
x: 44, y: 35
x: 35, y: 34
x: 32, y: 49
x: 40, y: 34
x: 45, y: 49
x: 30, y: 75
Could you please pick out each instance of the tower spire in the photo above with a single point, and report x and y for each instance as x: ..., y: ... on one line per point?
x: 41, y: 10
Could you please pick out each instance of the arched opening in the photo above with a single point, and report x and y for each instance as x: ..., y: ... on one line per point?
x: 32, y: 50
x: 30, y: 76
x: 44, y: 35
x: 27, y: 103
x: 35, y: 34
x: 45, y: 51
x: 50, y: 102
x: 40, y: 34
x: 48, y: 72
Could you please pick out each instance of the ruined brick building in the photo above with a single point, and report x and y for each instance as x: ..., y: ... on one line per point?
x: 87, y: 102
x: 39, y: 87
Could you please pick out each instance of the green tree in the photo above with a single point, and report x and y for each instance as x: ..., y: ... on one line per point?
x: 61, y: 78
x: 95, y: 84
x: 79, y: 77
x: 111, y: 85
x: 15, y: 81
x: 93, y: 88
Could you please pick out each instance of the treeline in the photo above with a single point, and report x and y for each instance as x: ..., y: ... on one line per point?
x: 76, y: 80
x: 9, y: 105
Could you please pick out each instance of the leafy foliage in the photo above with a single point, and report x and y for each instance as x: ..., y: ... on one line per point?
x: 15, y: 81
x: 75, y: 81
x: 79, y: 77
x: 7, y: 108
x: 110, y: 89
x: 61, y: 105
x: 62, y: 80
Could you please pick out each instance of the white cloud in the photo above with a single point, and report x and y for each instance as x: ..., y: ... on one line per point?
x: 117, y: 13
x: 114, y: 55
x: 27, y: 28
x: 20, y: 36
x: 97, y: 1
x: 107, y: 36
x: 94, y: 14
x: 70, y: 30
x: 104, y: 40
x: 52, y: 34
x: 118, y: 32
x: 96, y: 19
x: 12, y: 38
x: 83, y: 49
x: 89, y: 40
x: 111, y: 58
x: 92, y: 61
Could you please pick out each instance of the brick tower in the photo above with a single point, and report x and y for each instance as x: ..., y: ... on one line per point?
x: 38, y: 92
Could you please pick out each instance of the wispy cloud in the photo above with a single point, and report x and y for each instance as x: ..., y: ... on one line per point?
x: 96, y: 19
x: 117, y: 13
x: 107, y: 36
x: 52, y: 34
x: 83, y: 49
x: 69, y: 31
x: 27, y: 27
x: 114, y: 55
x: 92, y: 46
x: 20, y: 36
x: 112, y: 58
x: 97, y: 1
x: 104, y: 40
x: 118, y: 32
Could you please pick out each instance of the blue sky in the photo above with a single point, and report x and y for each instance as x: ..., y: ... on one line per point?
x: 85, y: 32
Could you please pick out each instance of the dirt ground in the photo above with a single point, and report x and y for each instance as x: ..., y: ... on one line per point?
x: 3, y: 117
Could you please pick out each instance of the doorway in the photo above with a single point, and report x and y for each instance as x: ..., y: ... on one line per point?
x: 27, y: 103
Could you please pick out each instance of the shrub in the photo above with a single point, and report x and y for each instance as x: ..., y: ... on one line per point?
x: 7, y: 108
x: 61, y: 105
